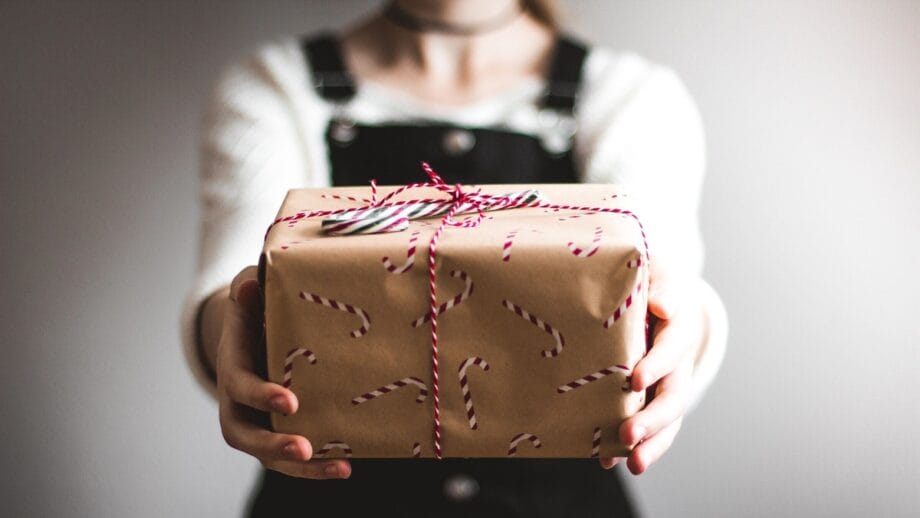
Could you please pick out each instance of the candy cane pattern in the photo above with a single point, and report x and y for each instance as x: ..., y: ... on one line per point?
x: 506, y: 248
x: 603, y: 373
x: 460, y: 297
x: 576, y: 216
x: 333, y: 445
x: 587, y: 252
x: 512, y: 448
x: 289, y: 364
x: 422, y: 390
x: 379, y: 217
x: 348, y: 308
x: 523, y: 313
x: 416, y: 450
x: 618, y: 312
x: 596, y: 443
x: 465, y: 387
x: 410, y: 257
x: 509, y: 242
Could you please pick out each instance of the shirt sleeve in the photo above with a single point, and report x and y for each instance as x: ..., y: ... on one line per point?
x: 251, y: 152
x: 640, y: 128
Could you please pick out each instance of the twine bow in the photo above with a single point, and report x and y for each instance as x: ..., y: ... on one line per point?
x: 381, y: 216
x: 384, y: 215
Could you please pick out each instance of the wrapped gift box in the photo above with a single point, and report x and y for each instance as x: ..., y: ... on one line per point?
x: 542, y: 315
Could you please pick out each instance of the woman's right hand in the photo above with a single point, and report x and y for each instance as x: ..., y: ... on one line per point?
x: 245, y: 397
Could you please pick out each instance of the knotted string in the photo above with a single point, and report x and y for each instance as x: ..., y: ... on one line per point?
x: 384, y: 215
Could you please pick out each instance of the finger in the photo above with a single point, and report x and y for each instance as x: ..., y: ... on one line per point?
x: 246, y: 388
x: 610, y: 462
x: 241, y: 431
x: 246, y: 296
x: 649, y: 451
x: 240, y: 334
x: 672, y: 341
x: 247, y: 276
x: 664, y: 293
x: 331, y: 469
x: 668, y: 405
x: 237, y: 370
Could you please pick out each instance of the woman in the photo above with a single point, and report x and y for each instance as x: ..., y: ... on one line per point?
x: 489, y: 92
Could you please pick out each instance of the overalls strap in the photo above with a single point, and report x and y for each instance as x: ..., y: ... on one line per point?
x: 331, y: 78
x: 564, y: 77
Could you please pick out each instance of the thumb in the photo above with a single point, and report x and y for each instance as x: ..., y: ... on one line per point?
x: 664, y: 293
x: 244, y: 290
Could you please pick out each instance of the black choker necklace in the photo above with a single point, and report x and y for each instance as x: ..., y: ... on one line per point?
x: 407, y: 20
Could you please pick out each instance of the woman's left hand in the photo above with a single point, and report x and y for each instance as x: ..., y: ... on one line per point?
x: 676, y: 343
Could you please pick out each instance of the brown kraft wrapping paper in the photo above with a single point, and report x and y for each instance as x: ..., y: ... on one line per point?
x: 343, y: 328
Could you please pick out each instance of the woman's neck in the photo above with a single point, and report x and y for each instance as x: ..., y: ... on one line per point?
x: 450, y: 68
x: 465, y: 17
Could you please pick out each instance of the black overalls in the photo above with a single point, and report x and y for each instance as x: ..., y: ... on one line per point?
x: 391, y: 154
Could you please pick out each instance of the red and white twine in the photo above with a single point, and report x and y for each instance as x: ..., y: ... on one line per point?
x: 576, y: 216
x: 348, y: 198
x: 384, y: 215
x: 457, y: 299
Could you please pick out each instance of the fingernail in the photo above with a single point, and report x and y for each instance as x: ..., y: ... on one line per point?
x: 643, y: 380
x: 636, y: 383
x: 667, y: 304
x: 291, y: 450
x: 664, y: 300
x: 279, y: 403
x: 331, y: 470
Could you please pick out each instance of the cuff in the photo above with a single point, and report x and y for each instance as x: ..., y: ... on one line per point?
x: 191, y: 339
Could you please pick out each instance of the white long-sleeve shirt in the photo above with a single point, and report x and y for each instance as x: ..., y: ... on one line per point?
x: 264, y: 134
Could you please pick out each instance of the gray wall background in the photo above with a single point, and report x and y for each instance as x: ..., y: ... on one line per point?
x: 810, y: 214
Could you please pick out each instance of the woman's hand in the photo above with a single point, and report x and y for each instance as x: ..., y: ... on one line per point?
x: 245, y: 397
x: 677, y: 339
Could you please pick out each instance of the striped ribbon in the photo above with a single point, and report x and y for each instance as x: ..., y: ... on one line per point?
x: 395, y: 218
x: 384, y: 215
